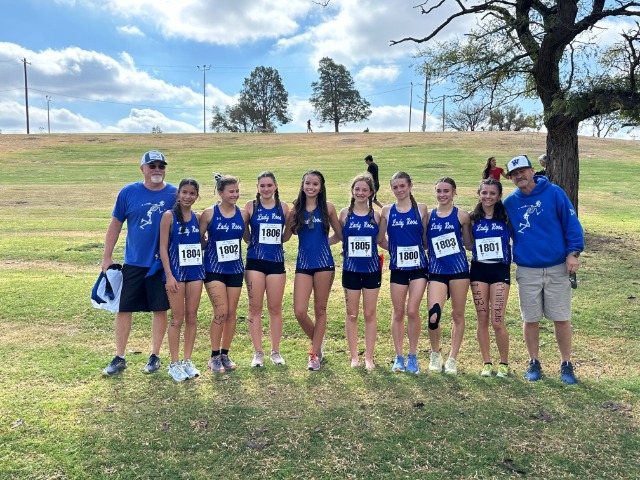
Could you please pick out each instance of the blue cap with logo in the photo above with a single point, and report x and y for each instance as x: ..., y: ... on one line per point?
x: 152, y: 156
x: 521, y: 161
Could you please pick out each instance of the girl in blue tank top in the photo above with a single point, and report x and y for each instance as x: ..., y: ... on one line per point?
x: 225, y: 225
x: 181, y: 255
x: 490, y: 273
x: 264, y: 271
x: 310, y: 219
x: 448, y: 233
x: 405, y: 222
x: 361, y: 269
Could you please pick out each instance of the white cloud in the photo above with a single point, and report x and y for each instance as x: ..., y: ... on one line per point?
x: 220, y: 23
x: 130, y: 30
x: 143, y: 120
x: 377, y: 73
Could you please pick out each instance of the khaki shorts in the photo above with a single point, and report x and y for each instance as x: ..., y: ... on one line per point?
x: 544, y: 292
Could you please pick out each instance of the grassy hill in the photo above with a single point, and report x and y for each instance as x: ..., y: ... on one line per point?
x: 60, y: 419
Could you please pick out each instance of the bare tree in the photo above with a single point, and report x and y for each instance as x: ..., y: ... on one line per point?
x: 469, y: 117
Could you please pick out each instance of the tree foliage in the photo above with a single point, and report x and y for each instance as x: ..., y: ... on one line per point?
x: 334, y: 98
x: 547, y: 49
x: 234, y: 118
x: 264, y: 99
x: 469, y: 117
x: 511, y: 118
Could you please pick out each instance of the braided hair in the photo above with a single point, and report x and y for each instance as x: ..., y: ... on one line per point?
x: 368, y: 179
x: 407, y: 177
x: 300, y: 204
x: 176, y: 206
x: 276, y: 194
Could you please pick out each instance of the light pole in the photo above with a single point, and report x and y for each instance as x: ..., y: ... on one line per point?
x: 410, y: 106
x: 48, y: 99
x: 204, y: 69
x: 427, y: 76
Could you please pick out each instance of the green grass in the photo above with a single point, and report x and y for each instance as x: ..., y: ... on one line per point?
x: 60, y: 419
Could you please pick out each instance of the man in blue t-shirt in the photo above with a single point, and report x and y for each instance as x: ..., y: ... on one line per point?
x: 141, y: 205
x: 547, y: 241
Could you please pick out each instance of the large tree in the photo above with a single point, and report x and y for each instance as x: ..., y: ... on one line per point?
x: 264, y: 98
x: 335, y: 99
x: 546, y: 49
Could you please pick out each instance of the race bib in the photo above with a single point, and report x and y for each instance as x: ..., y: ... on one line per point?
x: 446, y: 244
x: 408, y: 256
x: 359, y: 247
x: 489, y: 248
x: 270, y: 234
x: 228, y: 250
x: 190, y: 254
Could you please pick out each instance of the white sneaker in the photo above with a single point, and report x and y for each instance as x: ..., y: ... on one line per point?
x: 436, y: 363
x: 258, y: 359
x: 451, y: 367
x: 276, y: 358
x: 177, y: 372
x: 190, y: 369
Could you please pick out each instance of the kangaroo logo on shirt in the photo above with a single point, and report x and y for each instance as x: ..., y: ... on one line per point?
x: 529, y: 210
x: 155, y: 207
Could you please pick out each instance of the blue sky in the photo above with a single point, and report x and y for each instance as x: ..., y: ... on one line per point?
x: 129, y: 65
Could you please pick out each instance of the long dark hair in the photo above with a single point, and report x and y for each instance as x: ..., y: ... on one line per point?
x: 176, y: 206
x: 499, y: 212
x: 487, y: 167
x: 300, y: 204
x: 368, y: 179
x: 276, y: 194
x: 407, y: 177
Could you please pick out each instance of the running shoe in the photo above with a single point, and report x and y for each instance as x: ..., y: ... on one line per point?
x: 227, y: 363
x: 153, y: 365
x: 258, y: 359
x: 314, y: 362
x: 566, y: 373
x: 215, y: 364
x: 117, y: 365
x: 177, y: 372
x: 276, y: 358
x: 451, y: 367
x: 503, y: 371
x: 534, y: 372
x: 190, y: 369
x: 398, y: 365
x: 412, y: 364
x: 435, y: 363
x: 487, y: 370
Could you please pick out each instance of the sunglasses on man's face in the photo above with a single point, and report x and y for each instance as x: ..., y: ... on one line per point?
x: 153, y: 166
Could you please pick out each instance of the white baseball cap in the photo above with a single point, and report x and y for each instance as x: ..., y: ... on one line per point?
x: 521, y: 161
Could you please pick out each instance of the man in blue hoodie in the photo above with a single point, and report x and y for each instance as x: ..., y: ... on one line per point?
x: 547, y: 241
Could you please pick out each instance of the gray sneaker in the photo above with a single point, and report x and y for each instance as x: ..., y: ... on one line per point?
x: 227, y: 363
x: 117, y: 365
x: 258, y: 359
x: 177, y: 372
x: 190, y: 369
x: 276, y: 358
x: 153, y: 365
x: 215, y: 364
x: 435, y: 363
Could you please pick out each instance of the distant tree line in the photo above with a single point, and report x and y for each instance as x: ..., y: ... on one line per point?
x: 263, y: 101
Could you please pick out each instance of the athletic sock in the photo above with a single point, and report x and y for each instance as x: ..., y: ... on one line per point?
x: 224, y: 351
x: 215, y: 353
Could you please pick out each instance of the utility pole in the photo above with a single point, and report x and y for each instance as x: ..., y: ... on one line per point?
x: 410, y: 106
x: 444, y: 97
x: 48, y: 99
x: 26, y: 92
x: 427, y: 75
x: 204, y: 96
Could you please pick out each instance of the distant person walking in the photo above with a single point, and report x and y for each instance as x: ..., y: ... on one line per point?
x: 372, y: 168
x: 543, y: 163
x: 309, y: 126
x: 492, y: 170
x: 141, y: 205
x: 542, y: 215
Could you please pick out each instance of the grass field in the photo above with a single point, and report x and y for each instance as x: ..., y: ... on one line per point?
x: 60, y: 419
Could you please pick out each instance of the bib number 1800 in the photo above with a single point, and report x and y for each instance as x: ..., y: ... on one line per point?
x: 408, y: 256
x: 228, y: 250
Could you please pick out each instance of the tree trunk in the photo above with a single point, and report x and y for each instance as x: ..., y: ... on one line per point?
x: 563, y: 163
